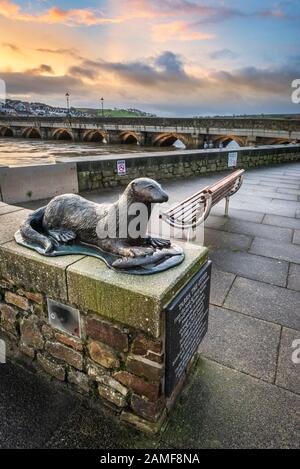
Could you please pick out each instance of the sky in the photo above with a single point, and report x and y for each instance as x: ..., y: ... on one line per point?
x: 168, y: 57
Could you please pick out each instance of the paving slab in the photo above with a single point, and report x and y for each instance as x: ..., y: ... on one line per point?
x: 221, y: 239
x: 284, y: 185
x: 253, y: 198
x: 288, y: 373
x: 30, y: 408
x: 263, y: 301
x: 274, y: 207
x: 251, y: 186
x: 247, y: 215
x: 224, y: 408
x: 265, y: 247
x: 242, y: 342
x: 261, y: 268
x: 289, y: 191
x: 89, y: 429
x: 294, y: 277
x: 270, y: 194
x: 285, y: 205
x: 296, y: 238
x: 285, y: 222
x: 216, y: 222
x: 283, y: 235
x: 220, y: 285
x: 281, y: 178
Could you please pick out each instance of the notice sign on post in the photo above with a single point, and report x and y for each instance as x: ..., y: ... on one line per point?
x: 121, y: 167
x: 232, y: 159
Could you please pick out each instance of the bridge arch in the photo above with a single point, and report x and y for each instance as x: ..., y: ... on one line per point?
x: 95, y: 136
x: 62, y: 134
x: 169, y: 138
x: 31, y: 132
x: 6, y: 131
x: 225, y: 139
x: 128, y: 137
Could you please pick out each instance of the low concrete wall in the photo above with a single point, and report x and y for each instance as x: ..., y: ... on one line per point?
x: 26, y: 183
x: 102, y: 172
x: 119, y: 358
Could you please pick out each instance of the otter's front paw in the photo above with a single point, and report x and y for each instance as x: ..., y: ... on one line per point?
x: 160, y: 243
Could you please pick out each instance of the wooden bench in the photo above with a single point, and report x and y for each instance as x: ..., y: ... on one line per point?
x: 191, y: 212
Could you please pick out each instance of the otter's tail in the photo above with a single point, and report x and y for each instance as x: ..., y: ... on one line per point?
x: 31, y: 230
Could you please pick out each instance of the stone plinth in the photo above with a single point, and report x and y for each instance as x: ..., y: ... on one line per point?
x: 120, y: 355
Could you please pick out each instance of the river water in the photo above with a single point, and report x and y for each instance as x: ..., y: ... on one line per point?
x: 19, y: 152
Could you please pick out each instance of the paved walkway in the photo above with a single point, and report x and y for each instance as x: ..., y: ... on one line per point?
x: 245, y: 391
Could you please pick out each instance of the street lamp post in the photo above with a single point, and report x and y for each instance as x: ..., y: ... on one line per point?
x: 102, y: 104
x: 68, y: 103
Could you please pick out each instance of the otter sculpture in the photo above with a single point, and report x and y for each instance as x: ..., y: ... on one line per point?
x: 70, y: 224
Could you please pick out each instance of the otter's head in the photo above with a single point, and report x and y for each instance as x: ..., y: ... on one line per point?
x: 147, y: 190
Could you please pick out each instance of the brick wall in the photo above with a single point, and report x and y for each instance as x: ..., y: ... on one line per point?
x: 120, y: 366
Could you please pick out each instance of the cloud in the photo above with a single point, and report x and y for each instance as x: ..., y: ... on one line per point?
x: 136, y: 9
x: 61, y: 51
x: 45, y: 86
x: 223, y: 54
x: 179, y: 31
x: 41, y: 70
x: 185, y: 7
x: 272, y: 81
x: 161, y: 83
x: 161, y: 71
x: 12, y: 47
x: 166, y: 73
x: 56, y: 15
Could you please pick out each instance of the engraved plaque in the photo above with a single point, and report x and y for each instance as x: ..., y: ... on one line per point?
x: 186, y: 325
x: 64, y: 318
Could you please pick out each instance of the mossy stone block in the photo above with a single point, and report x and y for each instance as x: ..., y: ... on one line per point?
x: 136, y: 301
x: 33, y: 272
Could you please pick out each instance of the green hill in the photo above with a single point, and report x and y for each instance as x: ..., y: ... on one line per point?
x: 117, y: 112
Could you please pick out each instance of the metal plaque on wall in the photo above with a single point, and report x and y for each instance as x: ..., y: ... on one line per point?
x: 64, y: 318
x: 186, y: 325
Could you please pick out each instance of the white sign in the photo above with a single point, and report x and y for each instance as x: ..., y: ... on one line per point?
x: 232, y: 159
x: 121, y: 167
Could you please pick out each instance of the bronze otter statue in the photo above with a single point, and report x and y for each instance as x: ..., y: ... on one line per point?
x: 70, y: 220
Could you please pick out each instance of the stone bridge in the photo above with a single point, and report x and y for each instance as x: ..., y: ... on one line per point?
x: 156, y: 131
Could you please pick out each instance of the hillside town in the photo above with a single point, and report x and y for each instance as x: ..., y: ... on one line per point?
x: 18, y: 108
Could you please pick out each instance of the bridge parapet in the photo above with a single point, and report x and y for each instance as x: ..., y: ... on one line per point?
x: 220, y: 122
x: 151, y: 130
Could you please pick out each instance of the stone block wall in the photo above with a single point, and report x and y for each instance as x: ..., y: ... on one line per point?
x: 177, y: 164
x: 119, y: 360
